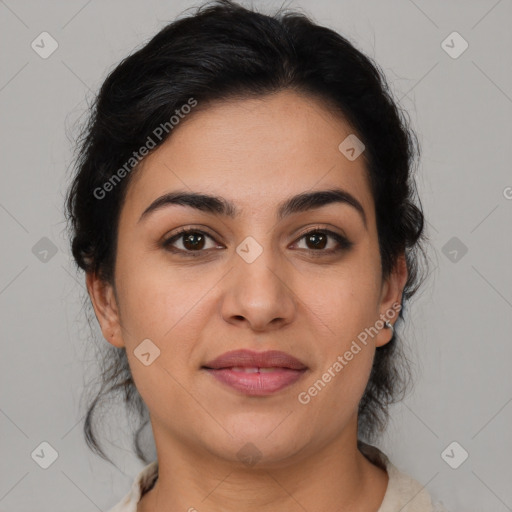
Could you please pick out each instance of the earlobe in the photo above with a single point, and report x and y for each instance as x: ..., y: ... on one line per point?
x: 391, y: 299
x: 105, y: 308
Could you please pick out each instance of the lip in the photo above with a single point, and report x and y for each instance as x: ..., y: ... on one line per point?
x: 257, y: 384
x: 251, y: 359
x: 287, y: 371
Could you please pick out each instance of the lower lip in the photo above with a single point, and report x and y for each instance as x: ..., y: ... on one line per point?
x: 257, y: 384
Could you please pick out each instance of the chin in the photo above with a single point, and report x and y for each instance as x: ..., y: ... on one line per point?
x: 265, y: 442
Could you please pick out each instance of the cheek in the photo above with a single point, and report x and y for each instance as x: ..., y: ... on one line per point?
x: 171, y: 308
x: 344, y: 302
x: 156, y: 298
x: 170, y: 311
x: 341, y: 310
x: 343, y: 370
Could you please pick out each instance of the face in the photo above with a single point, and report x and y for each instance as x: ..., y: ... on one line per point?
x: 251, y: 278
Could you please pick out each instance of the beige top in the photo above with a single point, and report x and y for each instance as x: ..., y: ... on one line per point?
x: 403, y: 494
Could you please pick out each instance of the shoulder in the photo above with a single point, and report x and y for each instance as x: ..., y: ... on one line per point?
x: 403, y: 493
x: 142, y: 483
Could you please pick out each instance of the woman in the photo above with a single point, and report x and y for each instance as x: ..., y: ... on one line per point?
x: 244, y: 210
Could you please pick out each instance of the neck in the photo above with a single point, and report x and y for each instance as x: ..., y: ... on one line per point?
x: 335, y: 477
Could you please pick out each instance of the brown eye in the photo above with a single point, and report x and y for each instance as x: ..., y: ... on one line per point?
x: 192, y: 240
x: 317, y: 241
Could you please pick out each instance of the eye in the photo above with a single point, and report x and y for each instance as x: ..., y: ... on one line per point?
x: 318, y: 240
x: 195, y: 241
x: 192, y: 240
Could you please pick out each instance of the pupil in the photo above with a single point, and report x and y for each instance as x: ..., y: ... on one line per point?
x: 315, y: 237
x: 193, y: 244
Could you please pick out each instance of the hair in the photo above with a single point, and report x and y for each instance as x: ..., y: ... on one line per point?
x: 225, y: 51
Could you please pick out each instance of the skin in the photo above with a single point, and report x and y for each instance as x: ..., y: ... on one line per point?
x: 255, y: 153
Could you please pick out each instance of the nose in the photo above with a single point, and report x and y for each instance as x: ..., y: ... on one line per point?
x: 259, y: 294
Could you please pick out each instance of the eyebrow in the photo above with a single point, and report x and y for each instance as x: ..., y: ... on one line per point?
x: 221, y: 206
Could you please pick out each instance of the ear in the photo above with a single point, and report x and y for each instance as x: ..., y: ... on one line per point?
x: 391, y: 299
x: 105, y: 307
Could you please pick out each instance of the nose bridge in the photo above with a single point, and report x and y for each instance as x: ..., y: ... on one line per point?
x: 257, y: 289
x: 257, y: 267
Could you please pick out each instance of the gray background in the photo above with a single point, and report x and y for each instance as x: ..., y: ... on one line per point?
x: 459, y: 330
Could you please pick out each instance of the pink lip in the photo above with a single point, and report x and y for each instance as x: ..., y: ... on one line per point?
x: 250, y: 359
x: 290, y: 369
x: 257, y: 384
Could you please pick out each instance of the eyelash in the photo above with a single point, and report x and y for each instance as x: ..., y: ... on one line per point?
x: 344, y: 243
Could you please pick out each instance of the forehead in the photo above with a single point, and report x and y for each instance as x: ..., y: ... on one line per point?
x: 256, y: 152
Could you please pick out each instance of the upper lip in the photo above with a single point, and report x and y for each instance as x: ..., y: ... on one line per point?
x: 250, y: 359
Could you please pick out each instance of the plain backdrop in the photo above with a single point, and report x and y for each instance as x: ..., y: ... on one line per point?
x: 459, y: 329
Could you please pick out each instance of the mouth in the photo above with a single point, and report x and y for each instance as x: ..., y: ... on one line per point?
x: 256, y: 373
x: 256, y: 381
